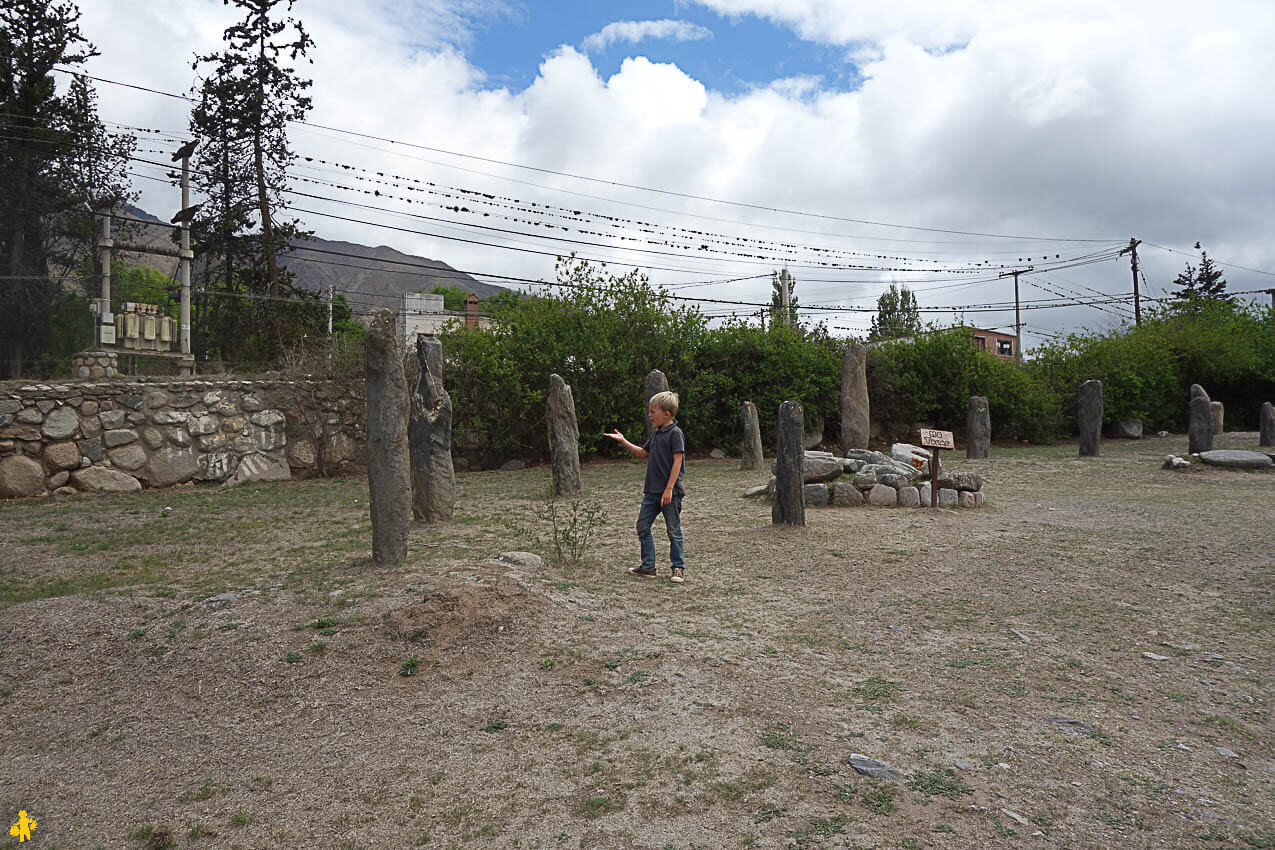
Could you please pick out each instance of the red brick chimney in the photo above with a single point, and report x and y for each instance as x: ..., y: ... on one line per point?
x: 471, y: 312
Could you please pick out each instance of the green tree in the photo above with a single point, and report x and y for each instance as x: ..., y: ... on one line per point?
x: 1197, y: 282
x: 57, y: 165
x: 453, y: 297
x: 897, y: 315
x: 245, y: 102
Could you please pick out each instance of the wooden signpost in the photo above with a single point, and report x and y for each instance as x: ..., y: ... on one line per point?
x: 936, y: 440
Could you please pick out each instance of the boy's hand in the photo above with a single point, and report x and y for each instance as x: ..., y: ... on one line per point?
x: 666, y: 496
x: 615, y: 435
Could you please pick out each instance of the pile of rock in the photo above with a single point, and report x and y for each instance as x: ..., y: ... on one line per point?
x: 61, y: 439
x: 874, y: 478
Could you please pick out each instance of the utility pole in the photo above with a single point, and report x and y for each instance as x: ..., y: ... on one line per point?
x: 1018, y: 322
x: 104, y: 316
x: 1132, y: 251
x: 183, y: 153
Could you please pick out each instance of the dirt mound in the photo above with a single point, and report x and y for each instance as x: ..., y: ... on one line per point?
x: 474, y: 612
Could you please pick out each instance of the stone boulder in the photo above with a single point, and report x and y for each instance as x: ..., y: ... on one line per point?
x: 813, y: 434
x: 62, y: 455
x: 909, y: 497
x: 259, y: 467
x: 99, y: 479
x: 61, y: 424
x: 170, y: 466
x: 962, y: 481
x: 845, y: 494
x: 947, y: 498
x: 129, y: 457
x: 893, y: 479
x: 883, y: 495
x: 815, y: 494
x: 817, y: 467
x: 1236, y: 459
x: 20, y: 477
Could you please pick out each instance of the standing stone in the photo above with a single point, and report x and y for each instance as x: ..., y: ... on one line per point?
x: 1218, y: 412
x: 429, y: 437
x: 1197, y: 391
x: 564, y: 438
x: 1266, y: 425
x: 789, y: 508
x: 388, y: 467
x: 655, y: 382
x: 978, y: 428
x: 854, y: 398
x: 751, y: 428
x: 1089, y: 417
x: 1199, y: 425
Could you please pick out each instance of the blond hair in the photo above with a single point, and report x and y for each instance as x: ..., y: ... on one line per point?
x: 666, y: 401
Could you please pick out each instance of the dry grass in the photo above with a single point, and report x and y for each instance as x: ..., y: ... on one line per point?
x: 232, y: 672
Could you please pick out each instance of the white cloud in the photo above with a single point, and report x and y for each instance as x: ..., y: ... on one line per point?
x: 635, y: 31
x: 1080, y: 121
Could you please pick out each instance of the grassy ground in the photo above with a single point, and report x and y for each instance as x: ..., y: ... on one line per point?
x: 211, y: 668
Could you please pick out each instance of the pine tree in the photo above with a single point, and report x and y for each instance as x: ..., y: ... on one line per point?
x: 58, y: 164
x: 245, y: 103
x: 897, y: 315
x: 1204, y: 281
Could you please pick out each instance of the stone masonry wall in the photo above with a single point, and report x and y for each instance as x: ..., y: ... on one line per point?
x: 119, y: 436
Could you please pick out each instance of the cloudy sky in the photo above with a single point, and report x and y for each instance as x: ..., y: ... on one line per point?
x: 709, y: 142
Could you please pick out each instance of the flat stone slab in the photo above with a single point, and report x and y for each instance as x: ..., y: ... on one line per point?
x: 1236, y: 459
x: 876, y: 769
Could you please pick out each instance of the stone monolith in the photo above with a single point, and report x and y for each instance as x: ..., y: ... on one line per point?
x: 789, y: 507
x: 655, y: 382
x: 564, y: 438
x: 750, y: 428
x: 429, y: 438
x: 1089, y: 417
x: 1266, y: 425
x: 389, y: 479
x: 1199, y: 424
x: 978, y: 428
x: 1218, y: 412
x: 854, y: 398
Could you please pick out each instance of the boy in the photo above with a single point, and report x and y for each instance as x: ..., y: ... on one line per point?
x: 663, y: 490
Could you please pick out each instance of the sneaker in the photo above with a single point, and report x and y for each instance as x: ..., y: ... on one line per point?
x: 676, y: 577
x: 638, y: 571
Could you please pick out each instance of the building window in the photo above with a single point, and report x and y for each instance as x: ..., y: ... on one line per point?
x: 980, y: 342
x: 1005, y: 347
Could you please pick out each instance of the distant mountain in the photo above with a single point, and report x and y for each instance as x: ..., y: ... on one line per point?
x: 373, y: 277
x: 369, y: 277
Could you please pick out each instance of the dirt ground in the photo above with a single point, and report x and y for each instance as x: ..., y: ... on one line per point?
x: 1086, y: 661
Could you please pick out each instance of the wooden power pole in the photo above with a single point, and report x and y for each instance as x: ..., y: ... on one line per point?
x: 1132, y: 251
x: 1018, y: 322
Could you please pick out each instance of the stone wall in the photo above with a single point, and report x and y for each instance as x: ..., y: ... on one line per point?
x: 117, y: 436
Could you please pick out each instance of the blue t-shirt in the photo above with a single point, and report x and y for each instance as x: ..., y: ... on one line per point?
x: 664, y: 443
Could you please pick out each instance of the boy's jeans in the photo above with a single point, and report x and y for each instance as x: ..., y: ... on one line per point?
x: 672, y: 521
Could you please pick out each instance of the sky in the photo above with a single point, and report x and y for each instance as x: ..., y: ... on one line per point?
x: 711, y: 142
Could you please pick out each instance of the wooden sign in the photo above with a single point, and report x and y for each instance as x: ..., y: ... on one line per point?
x: 937, y: 439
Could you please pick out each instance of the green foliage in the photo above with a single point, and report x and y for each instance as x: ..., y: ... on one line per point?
x: 1196, y: 283
x: 897, y: 315
x: 57, y: 164
x: 1146, y: 371
x: 738, y: 363
x: 602, y: 333
x: 453, y: 297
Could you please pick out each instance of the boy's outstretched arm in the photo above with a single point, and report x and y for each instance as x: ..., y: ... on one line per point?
x: 619, y: 438
x: 667, y: 495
